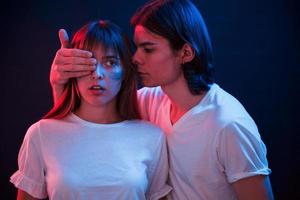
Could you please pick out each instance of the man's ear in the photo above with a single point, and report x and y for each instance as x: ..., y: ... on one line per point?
x: 187, y: 53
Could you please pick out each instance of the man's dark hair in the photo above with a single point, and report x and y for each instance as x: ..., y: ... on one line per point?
x: 180, y: 22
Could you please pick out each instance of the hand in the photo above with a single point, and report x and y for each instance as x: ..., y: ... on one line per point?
x: 69, y: 63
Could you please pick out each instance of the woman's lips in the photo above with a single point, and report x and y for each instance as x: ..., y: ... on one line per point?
x: 97, y: 89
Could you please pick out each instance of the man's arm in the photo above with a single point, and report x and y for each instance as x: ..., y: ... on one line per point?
x: 255, y: 187
x: 69, y: 63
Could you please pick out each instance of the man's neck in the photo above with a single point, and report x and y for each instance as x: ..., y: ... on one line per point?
x: 182, y: 100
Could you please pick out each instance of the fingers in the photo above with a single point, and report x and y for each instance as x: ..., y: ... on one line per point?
x: 75, y: 61
x: 67, y: 75
x: 59, y: 79
x: 65, y: 44
x: 70, y: 68
x: 70, y: 63
x: 74, y: 53
x: 63, y: 38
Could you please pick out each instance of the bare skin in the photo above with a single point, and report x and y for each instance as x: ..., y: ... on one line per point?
x: 256, y: 187
x: 24, y: 196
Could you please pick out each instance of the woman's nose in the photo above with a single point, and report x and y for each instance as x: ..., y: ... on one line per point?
x: 99, y: 72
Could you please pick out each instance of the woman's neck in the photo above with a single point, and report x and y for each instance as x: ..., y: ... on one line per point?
x: 106, y: 114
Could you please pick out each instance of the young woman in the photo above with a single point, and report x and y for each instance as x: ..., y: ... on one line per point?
x: 91, y: 145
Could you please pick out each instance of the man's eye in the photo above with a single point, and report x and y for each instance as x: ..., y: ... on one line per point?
x: 148, y: 50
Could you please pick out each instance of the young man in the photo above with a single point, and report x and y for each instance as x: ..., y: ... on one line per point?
x: 215, y: 149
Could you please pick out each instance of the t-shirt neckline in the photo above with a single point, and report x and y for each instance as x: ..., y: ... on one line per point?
x: 79, y: 120
x: 205, y: 99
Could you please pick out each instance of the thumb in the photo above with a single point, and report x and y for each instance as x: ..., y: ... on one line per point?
x: 63, y: 38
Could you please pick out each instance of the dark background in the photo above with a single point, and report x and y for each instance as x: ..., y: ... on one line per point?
x: 257, y: 51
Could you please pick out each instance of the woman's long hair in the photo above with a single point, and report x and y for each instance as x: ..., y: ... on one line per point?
x: 108, y: 35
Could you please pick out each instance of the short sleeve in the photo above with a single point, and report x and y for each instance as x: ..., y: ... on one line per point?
x: 158, y: 175
x: 30, y: 176
x: 150, y: 100
x: 241, y: 151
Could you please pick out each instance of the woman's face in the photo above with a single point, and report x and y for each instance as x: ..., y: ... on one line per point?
x: 157, y: 63
x: 101, y: 87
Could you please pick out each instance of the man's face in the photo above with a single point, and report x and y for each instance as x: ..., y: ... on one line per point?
x: 157, y: 63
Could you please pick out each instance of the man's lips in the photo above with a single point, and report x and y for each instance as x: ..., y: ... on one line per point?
x: 142, y: 73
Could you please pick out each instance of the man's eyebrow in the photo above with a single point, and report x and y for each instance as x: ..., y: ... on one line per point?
x: 143, y: 44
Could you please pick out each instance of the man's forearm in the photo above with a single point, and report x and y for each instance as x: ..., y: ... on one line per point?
x: 57, y: 92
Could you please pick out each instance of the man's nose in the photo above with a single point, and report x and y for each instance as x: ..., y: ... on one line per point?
x: 135, y: 59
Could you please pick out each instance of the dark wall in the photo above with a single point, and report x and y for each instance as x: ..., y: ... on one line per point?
x: 257, y: 50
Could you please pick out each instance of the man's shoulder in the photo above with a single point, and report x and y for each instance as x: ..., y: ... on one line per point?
x: 150, y: 92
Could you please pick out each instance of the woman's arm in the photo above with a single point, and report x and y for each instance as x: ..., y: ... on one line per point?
x: 22, y: 195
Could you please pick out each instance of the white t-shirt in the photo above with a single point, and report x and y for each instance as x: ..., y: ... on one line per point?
x: 212, y: 145
x: 76, y: 159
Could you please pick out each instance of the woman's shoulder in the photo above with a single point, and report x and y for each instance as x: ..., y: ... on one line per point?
x: 56, y: 122
x: 47, y: 124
